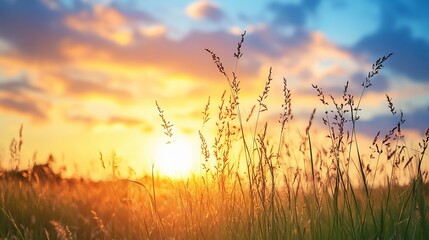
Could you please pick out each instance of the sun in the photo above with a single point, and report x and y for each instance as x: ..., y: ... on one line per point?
x: 177, y: 159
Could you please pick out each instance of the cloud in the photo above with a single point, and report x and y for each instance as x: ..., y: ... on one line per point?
x: 31, y: 28
x: 106, y: 22
x: 287, y: 14
x: 160, y: 67
x: 92, y: 68
x: 416, y: 120
x: 411, y: 54
x: 153, y: 30
x: 205, y: 10
x: 33, y: 31
x: 18, y: 86
x: 161, y: 56
x: 124, y: 120
x: 24, y: 106
x: 398, y: 32
x: 114, y: 120
x: 312, y: 59
x: 19, y: 96
x: 4, y: 46
x: 87, y: 85
x: 395, y: 11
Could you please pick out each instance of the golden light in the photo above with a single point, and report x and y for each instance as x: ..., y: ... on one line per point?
x: 177, y: 159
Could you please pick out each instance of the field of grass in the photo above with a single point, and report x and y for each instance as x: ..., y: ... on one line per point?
x: 298, y: 188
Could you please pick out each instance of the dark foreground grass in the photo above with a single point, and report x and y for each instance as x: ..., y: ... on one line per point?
x: 70, y: 209
x: 298, y: 188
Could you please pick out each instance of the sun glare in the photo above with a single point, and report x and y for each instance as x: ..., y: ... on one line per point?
x: 176, y: 159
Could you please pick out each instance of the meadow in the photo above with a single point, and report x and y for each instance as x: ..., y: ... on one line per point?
x: 249, y: 187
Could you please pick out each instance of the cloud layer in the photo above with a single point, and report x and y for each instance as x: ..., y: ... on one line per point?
x: 104, y: 64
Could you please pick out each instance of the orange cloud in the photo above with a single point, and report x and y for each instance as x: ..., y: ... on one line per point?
x: 107, y: 23
x: 10, y: 66
x: 153, y: 30
x: 77, y: 51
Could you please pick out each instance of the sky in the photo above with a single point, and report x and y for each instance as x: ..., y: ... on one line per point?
x: 82, y: 77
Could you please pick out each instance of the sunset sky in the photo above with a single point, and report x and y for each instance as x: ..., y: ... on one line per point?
x: 83, y: 76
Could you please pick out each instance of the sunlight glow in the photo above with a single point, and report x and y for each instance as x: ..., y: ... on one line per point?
x: 177, y: 159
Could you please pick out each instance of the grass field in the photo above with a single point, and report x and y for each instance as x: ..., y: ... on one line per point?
x: 291, y: 188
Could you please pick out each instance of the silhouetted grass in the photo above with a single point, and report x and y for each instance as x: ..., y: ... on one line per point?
x: 295, y: 188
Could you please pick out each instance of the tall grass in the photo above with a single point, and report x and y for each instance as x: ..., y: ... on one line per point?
x: 249, y: 186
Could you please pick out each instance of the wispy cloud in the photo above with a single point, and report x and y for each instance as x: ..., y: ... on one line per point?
x: 20, y: 97
x: 18, y: 86
x: 26, y: 107
x: 114, y: 120
x: 77, y: 86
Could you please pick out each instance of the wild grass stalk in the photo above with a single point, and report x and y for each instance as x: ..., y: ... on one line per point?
x: 12, y: 221
x: 234, y: 87
x: 15, y: 149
